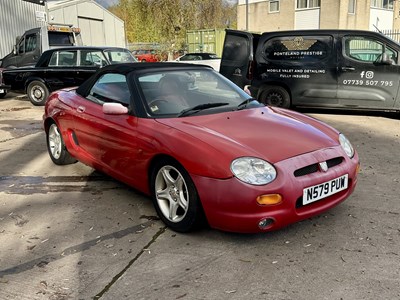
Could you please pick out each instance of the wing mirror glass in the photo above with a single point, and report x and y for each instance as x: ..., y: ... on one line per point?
x: 114, y: 109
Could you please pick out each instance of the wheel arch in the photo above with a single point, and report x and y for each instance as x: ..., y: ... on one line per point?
x: 154, y: 160
x: 35, y: 78
x: 202, y: 220
x: 47, y: 122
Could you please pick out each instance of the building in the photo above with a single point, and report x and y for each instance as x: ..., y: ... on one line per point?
x: 275, y: 15
x: 17, y: 16
x: 99, y: 27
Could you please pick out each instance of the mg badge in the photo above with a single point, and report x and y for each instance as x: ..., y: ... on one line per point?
x: 323, y: 166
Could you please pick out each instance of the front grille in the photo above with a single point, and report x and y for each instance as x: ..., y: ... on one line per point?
x: 306, y: 170
x: 314, y: 167
x: 334, y: 162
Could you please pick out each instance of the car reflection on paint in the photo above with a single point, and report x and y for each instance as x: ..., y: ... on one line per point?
x: 200, y: 147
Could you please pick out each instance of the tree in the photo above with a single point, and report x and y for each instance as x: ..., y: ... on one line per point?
x: 166, y: 21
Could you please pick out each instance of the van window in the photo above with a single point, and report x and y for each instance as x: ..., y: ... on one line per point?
x: 298, y: 48
x: 61, y: 38
x: 236, y: 48
x: 366, y: 49
x: 30, y: 43
x: 21, y: 46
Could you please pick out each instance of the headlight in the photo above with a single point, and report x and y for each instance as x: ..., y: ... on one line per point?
x: 253, y: 170
x: 346, y: 145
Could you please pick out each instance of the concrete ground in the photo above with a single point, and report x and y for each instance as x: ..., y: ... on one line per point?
x: 73, y: 233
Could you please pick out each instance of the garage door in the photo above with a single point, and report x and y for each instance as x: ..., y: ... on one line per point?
x: 92, y: 32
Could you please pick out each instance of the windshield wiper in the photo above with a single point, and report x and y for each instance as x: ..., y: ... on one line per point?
x: 200, y: 107
x: 246, y: 102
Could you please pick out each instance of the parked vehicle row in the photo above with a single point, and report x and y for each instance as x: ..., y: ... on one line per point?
x: 59, y: 68
x: 148, y: 55
x: 209, y: 59
x: 201, y: 147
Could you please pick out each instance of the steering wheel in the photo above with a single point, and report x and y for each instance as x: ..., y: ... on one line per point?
x: 157, y: 100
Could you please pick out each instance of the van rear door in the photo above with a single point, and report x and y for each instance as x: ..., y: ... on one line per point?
x: 237, y: 56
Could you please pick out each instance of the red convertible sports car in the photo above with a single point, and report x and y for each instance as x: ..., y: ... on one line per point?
x: 202, y: 148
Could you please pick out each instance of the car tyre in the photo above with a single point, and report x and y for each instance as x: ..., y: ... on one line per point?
x: 37, y: 92
x: 175, y: 197
x: 143, y: 60
x: 2, y: 95
x: 56, y: 147
x: 275, y: 96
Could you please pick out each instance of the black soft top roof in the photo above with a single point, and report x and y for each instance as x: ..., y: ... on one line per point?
x: 126, y: 68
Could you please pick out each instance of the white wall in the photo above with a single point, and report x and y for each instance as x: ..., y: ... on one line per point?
x: 98, y: 26
x: 381, y: 18
x: 307, y: 19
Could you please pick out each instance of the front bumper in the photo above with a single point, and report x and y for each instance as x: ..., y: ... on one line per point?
x: 231, y: 205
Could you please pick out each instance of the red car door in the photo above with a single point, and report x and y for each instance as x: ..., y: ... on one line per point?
x: 107, y: 141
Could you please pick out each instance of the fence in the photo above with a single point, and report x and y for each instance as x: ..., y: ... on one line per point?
x: 394, y: 34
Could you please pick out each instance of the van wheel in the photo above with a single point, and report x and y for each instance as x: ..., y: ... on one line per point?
x: 37, y: 93
x: 275, y: 96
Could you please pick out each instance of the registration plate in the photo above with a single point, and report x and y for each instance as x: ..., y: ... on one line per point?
x: 325, y: 189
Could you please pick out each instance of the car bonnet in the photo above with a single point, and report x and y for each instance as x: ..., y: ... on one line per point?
x: 258, y: 132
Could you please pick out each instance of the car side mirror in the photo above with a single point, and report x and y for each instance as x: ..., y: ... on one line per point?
x: 15, y: 49
x: 114, y: 109
x: 386, y: 60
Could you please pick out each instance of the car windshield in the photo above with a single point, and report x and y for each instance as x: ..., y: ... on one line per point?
x: 187, y: 92
x: 117, y: 56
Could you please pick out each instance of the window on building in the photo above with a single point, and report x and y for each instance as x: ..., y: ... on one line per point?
x: 301, y: 4
x: 352, y: 6
x: 386, y: 4
x: 273, y: 6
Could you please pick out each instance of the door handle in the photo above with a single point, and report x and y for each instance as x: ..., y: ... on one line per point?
x: 80, y: 109
x: 348, y: 69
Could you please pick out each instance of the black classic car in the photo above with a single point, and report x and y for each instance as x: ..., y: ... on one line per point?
x: 60, y: 68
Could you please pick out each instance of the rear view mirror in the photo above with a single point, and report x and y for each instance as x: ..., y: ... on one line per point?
x: 15, y: 50
x: 114, y: 109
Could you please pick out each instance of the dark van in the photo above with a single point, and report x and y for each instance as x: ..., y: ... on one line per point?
x: 315, y: 68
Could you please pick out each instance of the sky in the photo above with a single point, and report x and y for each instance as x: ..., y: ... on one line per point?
x: 107, y: 3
